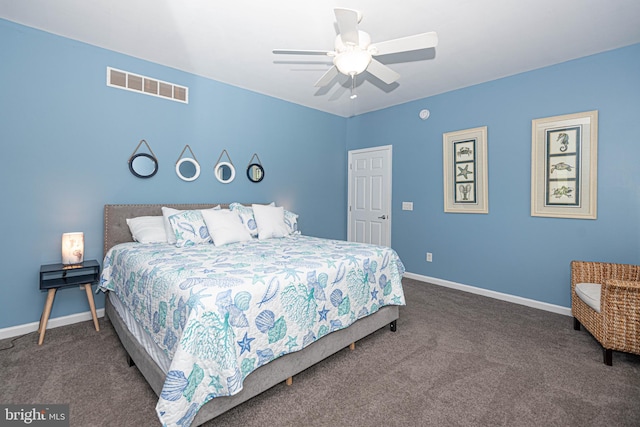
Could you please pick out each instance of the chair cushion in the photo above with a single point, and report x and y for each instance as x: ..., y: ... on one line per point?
x: 590, y: 294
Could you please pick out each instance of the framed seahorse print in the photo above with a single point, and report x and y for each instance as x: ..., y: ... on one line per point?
x: 464, y: 156
x: 564, y: 166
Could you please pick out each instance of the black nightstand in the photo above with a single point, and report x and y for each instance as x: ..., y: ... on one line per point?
x: 55, y: 276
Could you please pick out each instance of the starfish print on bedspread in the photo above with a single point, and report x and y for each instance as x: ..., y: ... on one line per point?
x: 245, y: 343
x: 291, y: 272
x: 323, y: 313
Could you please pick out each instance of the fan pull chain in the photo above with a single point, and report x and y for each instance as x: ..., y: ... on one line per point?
x: 353, y: 87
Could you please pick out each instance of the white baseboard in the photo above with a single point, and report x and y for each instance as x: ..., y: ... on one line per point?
x: 492, y: 294
x: 15, y: 331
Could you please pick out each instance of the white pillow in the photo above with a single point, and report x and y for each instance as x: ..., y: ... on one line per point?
x: 147, y: 229
x: 225, y: 227
x: 270, y: 221
x: 168, y: 229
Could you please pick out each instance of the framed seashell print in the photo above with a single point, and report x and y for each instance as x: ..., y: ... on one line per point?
x: 464, y: 155
x: 564, y: 162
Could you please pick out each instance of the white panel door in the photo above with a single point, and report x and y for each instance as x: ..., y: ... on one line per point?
x: 369, y: 217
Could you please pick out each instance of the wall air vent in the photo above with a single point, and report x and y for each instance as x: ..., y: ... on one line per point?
x: 147, y: 85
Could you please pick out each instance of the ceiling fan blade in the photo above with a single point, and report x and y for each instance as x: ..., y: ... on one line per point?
x: 404, y: 44
x: 347, y: 20
x: 301, y: 52
x: 327, y: 77
x: 382, y: 72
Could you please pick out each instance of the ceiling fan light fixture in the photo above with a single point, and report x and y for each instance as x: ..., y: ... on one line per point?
x: 353, y: 52
x: 352, y: 62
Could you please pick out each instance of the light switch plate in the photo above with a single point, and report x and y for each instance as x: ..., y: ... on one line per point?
x: 407, y: 206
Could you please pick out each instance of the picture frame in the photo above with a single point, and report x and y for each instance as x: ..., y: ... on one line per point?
x: 464, y: 156
x: 564, y: 166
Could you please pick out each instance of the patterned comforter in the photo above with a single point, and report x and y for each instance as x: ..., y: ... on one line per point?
x: 221, y: 312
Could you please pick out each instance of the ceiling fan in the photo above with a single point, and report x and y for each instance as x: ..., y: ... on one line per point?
x: 353, y: 52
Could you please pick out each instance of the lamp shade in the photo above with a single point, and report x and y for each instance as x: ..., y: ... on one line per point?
x: 72, y: 248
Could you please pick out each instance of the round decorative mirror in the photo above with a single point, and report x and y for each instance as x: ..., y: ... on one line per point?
x: 225, y: 172
x: 255, y: 172
x: 143, y: 165
x: 188, y: 169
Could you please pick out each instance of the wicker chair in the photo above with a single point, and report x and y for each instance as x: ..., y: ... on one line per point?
x: 617, y: 325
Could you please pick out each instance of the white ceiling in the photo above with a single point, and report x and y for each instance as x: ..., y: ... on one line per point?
x: 232, y: 41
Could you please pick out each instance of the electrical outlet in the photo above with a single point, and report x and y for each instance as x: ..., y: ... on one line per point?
x: 429, y: 257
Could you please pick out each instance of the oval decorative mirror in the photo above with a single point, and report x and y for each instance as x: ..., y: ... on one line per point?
x: 187, y: 168
x: 255, y: 171
x: 225, y: 172
x: 143, y: 165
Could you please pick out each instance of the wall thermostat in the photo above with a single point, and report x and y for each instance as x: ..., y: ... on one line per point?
x: 424, y: 114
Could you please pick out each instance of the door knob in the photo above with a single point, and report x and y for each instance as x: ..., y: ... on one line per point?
x: 382, y: 217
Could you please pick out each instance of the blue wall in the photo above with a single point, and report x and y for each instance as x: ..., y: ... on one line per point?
x: 66, y: 138
x: 508, y: 250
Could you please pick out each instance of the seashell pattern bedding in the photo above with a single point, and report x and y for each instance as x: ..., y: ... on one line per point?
x: 221, y: 312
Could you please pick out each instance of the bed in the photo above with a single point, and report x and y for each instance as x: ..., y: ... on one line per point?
x: 266, y: 344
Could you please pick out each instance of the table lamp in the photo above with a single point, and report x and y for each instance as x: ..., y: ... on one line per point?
x: 72, y: 248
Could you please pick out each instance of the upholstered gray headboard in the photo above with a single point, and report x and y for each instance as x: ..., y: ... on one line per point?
x: 116, y: 229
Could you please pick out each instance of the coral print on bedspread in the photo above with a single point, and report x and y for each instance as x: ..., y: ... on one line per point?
x: 221, y: 312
